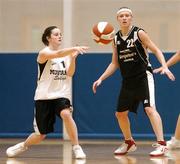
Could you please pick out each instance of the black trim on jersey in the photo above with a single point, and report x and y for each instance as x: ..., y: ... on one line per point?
x: 41, y: 68
x: 128, y: 32
x: 141, y: 57
x: 138, y: 34
x: 145, y: 60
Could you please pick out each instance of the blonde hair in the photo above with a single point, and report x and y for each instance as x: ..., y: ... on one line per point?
x: 122, y: 9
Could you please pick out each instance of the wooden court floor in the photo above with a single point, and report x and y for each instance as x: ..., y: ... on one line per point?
x: 57, y: 151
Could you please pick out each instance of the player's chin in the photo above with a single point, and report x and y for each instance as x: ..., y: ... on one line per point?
x: 59, y: 42
x: 125, y: 24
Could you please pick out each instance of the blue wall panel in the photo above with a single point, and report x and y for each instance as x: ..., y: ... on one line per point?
x: 93, y: 113
x: 18, y: 82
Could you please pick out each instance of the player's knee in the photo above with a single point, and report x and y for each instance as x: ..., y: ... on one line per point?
x: 42, y: 136
x: 121, y: 114
x: 65, y: 114
x: 39, y: 135
x: 150, y: 111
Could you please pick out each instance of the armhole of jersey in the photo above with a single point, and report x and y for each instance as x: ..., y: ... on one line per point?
x: 41, y: 68
x: 138, y: 34
x: 146, y: 62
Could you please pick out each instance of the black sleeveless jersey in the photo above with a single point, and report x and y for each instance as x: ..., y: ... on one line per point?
x: 132, y: 56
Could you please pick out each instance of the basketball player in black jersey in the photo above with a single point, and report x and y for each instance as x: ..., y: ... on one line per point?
x: 175, y: 140
x: 130, y: 55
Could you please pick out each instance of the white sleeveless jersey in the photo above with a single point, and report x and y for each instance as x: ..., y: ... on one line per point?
x: 53, y: 81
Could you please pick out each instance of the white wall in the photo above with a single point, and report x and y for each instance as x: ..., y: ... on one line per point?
x: 23, y: 21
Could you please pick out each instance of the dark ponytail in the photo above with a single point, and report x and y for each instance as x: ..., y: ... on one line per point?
x: 46, y: 34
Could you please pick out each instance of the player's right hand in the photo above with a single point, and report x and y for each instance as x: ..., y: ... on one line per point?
x: 81, y: 49
x: 96, y: 84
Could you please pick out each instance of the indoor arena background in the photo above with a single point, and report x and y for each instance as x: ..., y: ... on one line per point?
x: 21, y: 25
x: 93, y: 113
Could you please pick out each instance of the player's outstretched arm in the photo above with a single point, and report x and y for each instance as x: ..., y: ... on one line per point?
x: 173, y: 60
x: 47, y: 54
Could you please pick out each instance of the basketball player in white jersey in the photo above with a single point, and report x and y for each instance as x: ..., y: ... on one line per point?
x: 130, y: 48
x: 175, y: 140
x: 56, y: 66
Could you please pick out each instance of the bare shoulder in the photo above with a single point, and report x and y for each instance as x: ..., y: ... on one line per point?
x: 44, y: 50
x: 41, y: 55
x: 144, y: 37
x: 142, y: 33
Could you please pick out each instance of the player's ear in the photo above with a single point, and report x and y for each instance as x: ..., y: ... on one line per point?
x: 47, y: 37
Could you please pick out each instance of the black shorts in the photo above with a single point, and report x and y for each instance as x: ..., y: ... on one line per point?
x: 136, y: 90
x: 45, y: 114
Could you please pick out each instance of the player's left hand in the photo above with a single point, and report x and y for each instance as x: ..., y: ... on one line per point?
x: 157, y: 70
x: 163, y: 70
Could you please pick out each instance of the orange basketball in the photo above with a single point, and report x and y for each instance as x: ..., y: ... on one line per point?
x: 103, y: 33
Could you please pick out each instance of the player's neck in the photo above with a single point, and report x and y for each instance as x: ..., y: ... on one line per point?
x: 125, y: 30
x: 54, y: 47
